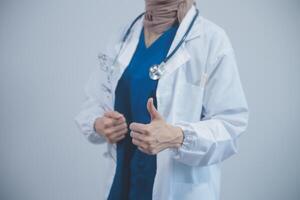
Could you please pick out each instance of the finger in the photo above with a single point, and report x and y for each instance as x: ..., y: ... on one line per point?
x: 120, y: 137
x: 142, y: 137
x: 121, y: 120
x: 139, y: 143
x: 138, y: 127
x: 154, y: 114
x: 113, y: 114
x: 111, y: 122
x: 117, y: 134
x: 136, y: 135
x: 108, y: 122
x: 114, y: 138
x: 143, y: 150
x: 117, y: 128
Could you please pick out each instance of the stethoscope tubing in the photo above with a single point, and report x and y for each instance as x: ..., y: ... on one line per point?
x: 156, y: 71
x: 178, y: 45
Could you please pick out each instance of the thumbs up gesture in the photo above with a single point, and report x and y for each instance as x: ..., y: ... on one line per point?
x: 157, y: 135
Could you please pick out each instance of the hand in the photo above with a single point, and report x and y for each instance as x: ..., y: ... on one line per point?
x: 112, y: 126
x: 156, y: 136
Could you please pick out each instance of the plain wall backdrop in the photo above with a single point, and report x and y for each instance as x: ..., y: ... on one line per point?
x: 47, y: 51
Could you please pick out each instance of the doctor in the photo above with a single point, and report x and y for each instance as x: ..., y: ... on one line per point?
x: 167, y: 101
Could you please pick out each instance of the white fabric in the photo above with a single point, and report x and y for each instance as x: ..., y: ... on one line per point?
x: 200, y: 91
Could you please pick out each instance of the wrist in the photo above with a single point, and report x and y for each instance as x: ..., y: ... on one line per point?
x: 95, y: 125
x: 178, y: 137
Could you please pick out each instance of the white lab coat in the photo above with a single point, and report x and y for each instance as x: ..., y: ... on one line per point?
x: 200, y: 91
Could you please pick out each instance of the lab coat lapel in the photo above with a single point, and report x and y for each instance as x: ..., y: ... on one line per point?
x: 182, y: 55
x: 130, y: 45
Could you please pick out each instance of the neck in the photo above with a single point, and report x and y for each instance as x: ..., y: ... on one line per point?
x: 160, y: 15
x: 150, y: 36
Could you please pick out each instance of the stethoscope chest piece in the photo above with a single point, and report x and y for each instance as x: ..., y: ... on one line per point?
x: 156, y: 71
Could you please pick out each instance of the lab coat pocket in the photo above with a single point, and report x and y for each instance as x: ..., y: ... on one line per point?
x: 189, y: 99
x: 191, y: 191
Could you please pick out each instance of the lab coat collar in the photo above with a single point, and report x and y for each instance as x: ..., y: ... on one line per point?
x: 179, y: 58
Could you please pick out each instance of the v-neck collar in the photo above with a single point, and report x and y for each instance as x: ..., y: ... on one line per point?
x: 143, y: 41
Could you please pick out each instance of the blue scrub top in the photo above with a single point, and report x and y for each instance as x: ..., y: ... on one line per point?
x: 135, y: 170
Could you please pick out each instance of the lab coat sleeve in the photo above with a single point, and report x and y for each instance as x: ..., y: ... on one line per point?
x: 92, y: 108
x: 225, y: 116
x: 98, y: 98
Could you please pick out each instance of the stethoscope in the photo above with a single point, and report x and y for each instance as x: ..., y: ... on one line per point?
x: 157, y: 70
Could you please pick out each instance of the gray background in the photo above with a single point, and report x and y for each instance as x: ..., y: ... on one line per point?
x: 47, y: 50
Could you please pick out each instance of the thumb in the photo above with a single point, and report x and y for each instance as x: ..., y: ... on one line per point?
x: 152, y: 110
